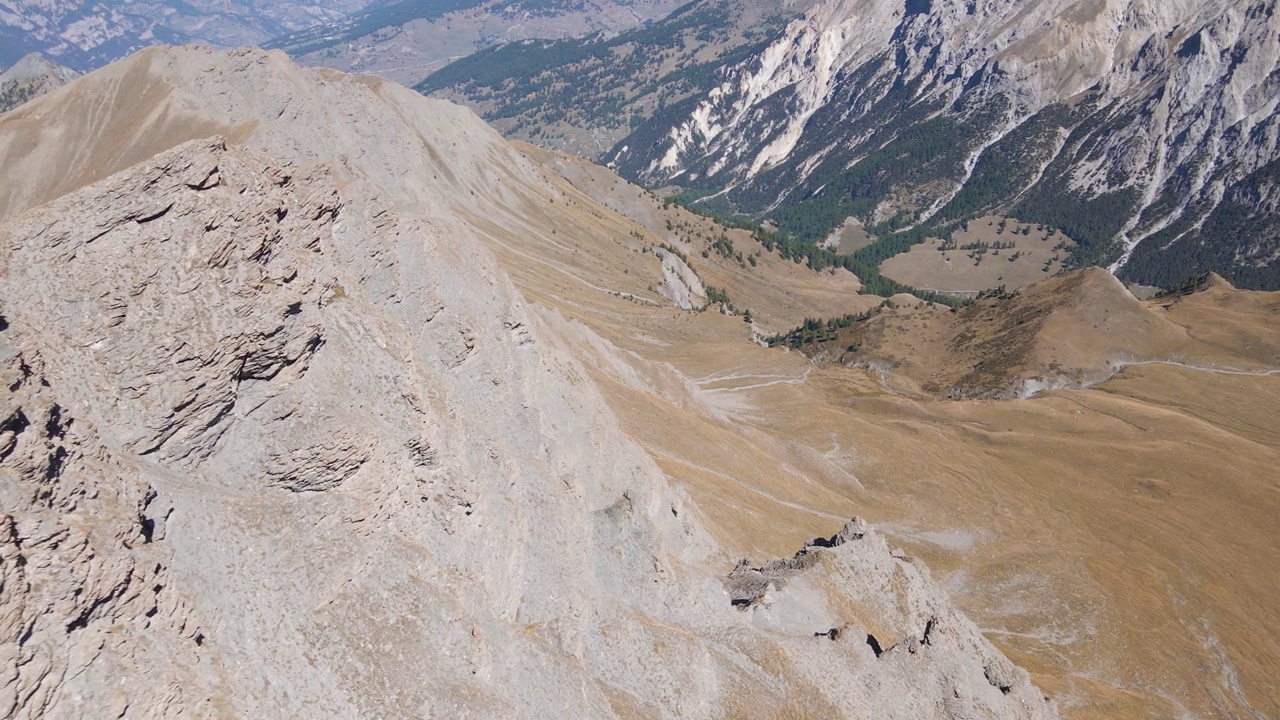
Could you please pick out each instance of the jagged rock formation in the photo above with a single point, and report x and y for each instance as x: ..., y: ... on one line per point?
x: 280, y: 439
x: 1144, y: 131
x: 31, y: 77
x: 781, y: 594
x: 86, y: 35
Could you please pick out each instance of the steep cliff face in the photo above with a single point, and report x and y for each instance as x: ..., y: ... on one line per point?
x: 1146, y: 131
x: 280, y: 438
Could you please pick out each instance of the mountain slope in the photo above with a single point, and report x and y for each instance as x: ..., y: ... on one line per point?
x: 1107, y: 539
x: 1123, y: 125
x: 406, y: 40
x: 1143, y: 132
x: 287, y: 416
x: 585, y: 95
x: 1071, y: 524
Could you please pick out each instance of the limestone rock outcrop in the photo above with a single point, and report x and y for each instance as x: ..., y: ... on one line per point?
x: 680, y: 284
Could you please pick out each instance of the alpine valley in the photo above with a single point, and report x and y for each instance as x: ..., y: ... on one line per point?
x: 1145, y: 133
x: 406, y: 40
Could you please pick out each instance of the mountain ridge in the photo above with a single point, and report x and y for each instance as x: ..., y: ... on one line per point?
x: 310, y: 430
x: 1130, y: 102
x: 30, y: 77
x: 510, y: 428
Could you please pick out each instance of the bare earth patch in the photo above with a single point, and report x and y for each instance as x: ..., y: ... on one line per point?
x: 987, y: 253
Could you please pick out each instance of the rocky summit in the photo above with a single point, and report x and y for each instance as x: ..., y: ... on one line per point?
x: 287, y: 433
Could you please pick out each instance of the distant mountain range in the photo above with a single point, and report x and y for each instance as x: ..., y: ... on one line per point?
x: 1146, y: 132
x: 408, y: 39
x: 85, y: 35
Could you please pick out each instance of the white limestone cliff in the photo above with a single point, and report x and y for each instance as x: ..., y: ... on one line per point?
x: 1185, y: 94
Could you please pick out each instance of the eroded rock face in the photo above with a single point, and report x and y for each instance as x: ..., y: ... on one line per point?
x: 681, y: 285
x: 203, y: 261
x: 281, y: 441
x: 142, y: 317
x: 886, y: 608
x: 90, y: 623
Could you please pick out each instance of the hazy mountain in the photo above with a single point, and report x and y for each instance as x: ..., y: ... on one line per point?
x: 406, y: 40
x: 31, y: 77
x: 1144, y: 132
x: 85, y: 35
